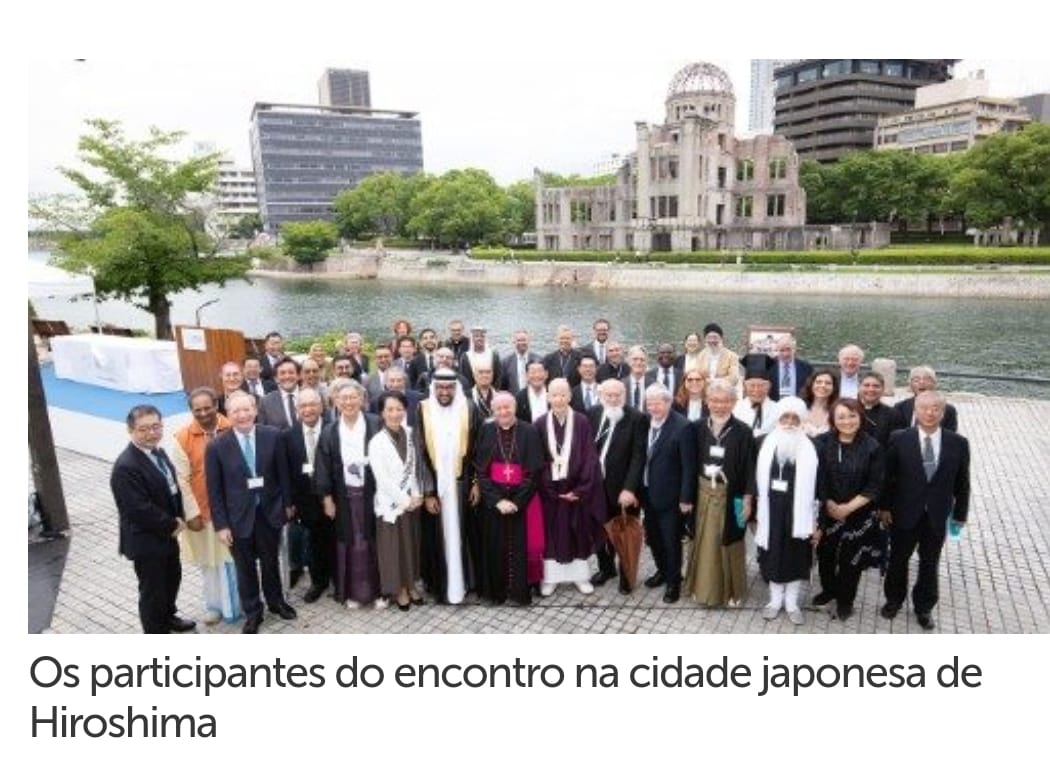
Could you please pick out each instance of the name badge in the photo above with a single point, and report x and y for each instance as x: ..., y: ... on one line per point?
x: 255, y: 483
x: 718, y: 452
x: 711, y: 470
x: 780, y: 485
x: 308, y: 469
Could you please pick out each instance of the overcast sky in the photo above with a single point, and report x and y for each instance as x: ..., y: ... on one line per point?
x: 545, y: 84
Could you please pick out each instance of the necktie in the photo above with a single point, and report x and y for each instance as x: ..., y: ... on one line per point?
x: 290, y: 408
x: 430, y: 363
x: 785, y: 377
x: 155, y: 453
x: 248, y: 449
x: 929, y: 463
x: 587, y: 396
x: 311, y: 444
x: 601, y: 353
x: 637, y: 396
x: 521, y: 370
x: 667, y: 378
x: 654, y: 435
x: 758, y: 416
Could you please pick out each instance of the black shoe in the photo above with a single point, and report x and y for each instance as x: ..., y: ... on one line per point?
x: 313, y: 593
x: 890, y: 610
x: 925, y: 621
x: 655, y: 580
x: 822, y: 599
x: 294, y: 576
x: 286, y: 611
x: 672, y: 594
x: 417, y: 601
x: 404, y: 608
x: 252, y: 624
x: 181, y: 625
x: 599, y: 578
x: 843, y: 611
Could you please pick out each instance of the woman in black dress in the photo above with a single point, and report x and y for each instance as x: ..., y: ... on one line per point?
x: 848, y: 481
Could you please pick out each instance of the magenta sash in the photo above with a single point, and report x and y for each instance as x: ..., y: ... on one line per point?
x: 510, y: 475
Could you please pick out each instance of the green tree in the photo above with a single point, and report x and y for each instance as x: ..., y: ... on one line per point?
x: 460, y: 206
x: 309, y: 242
x: 521, y: 208
x: 135, y: 228
x: 246, y: 226
x: 377, y: 206
x: 820, y: 184
x: 1006, y: 176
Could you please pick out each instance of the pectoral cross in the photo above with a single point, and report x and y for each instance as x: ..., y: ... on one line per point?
x: 507, y: 472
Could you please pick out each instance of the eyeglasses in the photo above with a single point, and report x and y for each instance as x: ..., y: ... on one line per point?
x: 144, y: 428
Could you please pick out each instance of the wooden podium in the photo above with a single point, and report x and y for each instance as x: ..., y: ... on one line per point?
x: 203, y: 351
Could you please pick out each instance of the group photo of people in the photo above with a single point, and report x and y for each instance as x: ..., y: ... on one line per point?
x: 430, y: 468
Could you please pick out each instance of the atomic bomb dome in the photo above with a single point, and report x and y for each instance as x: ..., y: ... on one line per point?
x: 697, y: 78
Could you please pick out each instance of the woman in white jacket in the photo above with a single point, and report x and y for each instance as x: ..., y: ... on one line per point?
x: 394, y: 460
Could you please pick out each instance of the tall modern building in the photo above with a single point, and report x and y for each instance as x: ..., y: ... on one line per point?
x: 1037, y: 106
x: 344, y: 87
x: 760, y: 113
x: 829, y: 107
x: 305, y: 155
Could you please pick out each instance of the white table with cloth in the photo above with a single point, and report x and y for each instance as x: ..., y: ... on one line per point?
x: 131, y: 364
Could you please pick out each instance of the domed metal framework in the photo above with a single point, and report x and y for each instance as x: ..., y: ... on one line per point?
x: 700, y: 78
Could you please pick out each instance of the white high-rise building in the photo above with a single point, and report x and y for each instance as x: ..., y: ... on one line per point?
x: 760, y: 114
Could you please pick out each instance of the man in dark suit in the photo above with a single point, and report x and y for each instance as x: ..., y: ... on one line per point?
x: 927, y: 485
x: 514, y: 366
x: 457, y: 341
x: 274, y: 347
x: 598, y: 348
x: 424, y: 363
x: 563, y: 361
x: 250, y: 496
x: 531, y: 400
x: 620, y: 439
x: 585, y: 395
x: 789, y: 374
x: 614, y: 367
x: 878, y: 417
x: 300, y: 444
x: 253, y: 382
x: 277, y: 408
x: 666, y: 371
x: 375, y: 381
x: 397, y: 380
x: 664, y: 490
x: 150, y: 507
x: 232, y: 380
x: 921, y: 379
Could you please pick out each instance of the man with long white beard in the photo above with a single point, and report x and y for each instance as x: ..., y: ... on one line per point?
x: 619, y: 438
x: 786, y: 483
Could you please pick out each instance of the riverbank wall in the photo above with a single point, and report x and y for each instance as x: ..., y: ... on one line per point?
x: 421, y: 267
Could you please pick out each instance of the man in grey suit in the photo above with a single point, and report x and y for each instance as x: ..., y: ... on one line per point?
x: 513, y: 378
x: 277, y: 408
x: 375, y: 380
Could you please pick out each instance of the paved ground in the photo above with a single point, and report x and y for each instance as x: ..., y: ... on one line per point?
x: 996, y: 579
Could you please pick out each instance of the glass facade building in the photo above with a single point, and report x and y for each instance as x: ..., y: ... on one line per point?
x: 305, y: 155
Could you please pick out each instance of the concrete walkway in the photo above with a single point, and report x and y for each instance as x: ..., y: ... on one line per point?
x: 996, y: 579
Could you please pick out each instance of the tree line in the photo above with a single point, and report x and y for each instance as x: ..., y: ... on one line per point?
x: 1004, y: 178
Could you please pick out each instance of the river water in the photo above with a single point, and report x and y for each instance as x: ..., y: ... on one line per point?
x: 983, y: 336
